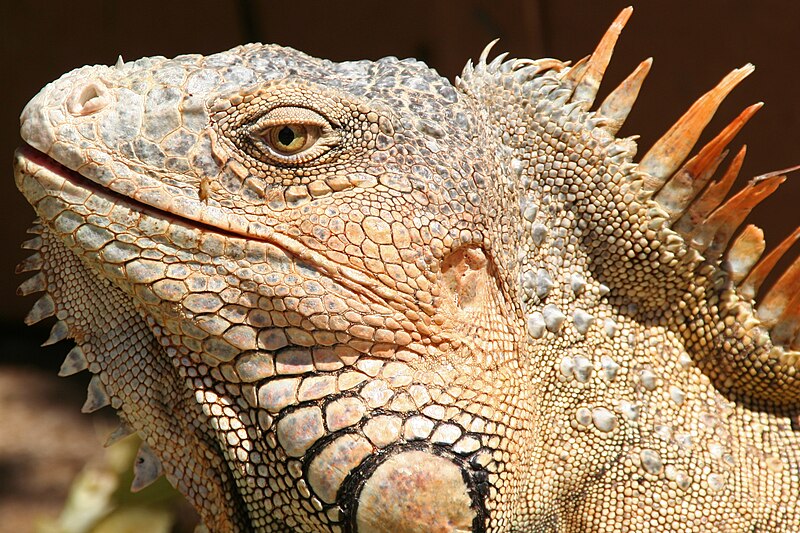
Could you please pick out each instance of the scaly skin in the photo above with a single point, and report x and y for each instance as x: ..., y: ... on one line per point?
x: 444, y: 308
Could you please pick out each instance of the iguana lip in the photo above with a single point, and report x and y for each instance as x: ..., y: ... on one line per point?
x: 41, y: 160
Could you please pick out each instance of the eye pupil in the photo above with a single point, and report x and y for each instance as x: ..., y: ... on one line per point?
x: 286, y: 136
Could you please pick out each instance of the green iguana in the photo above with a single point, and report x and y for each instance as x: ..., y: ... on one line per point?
x: 357, y: 297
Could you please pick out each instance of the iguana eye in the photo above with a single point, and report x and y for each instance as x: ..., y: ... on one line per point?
x: 292, y: 138
x: 293, y: 135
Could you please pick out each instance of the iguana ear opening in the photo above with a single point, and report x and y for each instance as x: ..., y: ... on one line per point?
x: 470, y: 297
x: 466, y: 278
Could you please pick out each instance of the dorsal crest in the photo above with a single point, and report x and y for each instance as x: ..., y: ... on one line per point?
x: 658, y: 233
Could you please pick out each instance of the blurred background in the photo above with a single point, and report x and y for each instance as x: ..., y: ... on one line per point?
x: 45, y: 441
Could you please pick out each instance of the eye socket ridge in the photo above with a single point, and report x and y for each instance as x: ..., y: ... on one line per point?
x: 293, y: 134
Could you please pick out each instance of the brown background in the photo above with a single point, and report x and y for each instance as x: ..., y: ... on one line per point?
x: 694, y: 44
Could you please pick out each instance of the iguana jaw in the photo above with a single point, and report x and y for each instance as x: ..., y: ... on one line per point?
x: 31, y: 161
x: 91, y: 164
x: 52, y: 175
x: 38, y: 175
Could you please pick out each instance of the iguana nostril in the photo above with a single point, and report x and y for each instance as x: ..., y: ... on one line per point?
x: 87, y: 99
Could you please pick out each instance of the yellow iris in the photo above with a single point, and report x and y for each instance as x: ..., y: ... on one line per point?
x: 289, y: 138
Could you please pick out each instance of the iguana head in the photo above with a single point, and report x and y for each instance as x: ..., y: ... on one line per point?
x: 354, y: 296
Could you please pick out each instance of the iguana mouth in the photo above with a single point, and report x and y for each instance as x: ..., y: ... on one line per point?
x: 39, y: 158
x: 29, y: 162
x: 27, y: 155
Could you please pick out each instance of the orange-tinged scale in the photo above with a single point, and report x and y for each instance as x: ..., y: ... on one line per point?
x: 574, y: 74
x: 678, y: 193
x: 617, y: 105
x: 786, y: 328
x: 755, y: 279
x: 776, y: 305
x: 589, y: 83
x: 712, y: 197
x: 661, y: 161
x: 744, y: 252
x: 723, y: 222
